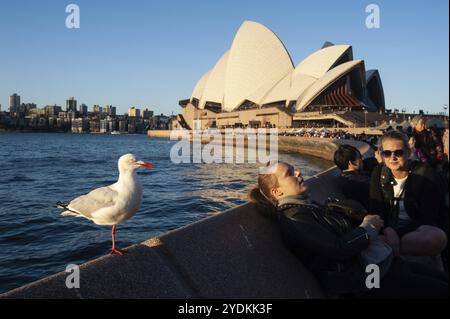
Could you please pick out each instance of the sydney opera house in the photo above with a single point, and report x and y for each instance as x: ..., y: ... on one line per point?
x: 255, y: 83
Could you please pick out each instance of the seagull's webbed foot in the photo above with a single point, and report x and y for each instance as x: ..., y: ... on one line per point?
x: 116, y: 251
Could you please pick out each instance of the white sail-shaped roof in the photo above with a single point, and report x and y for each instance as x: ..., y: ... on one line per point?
x: 306, y: 73
x: 215, y: 85
x: 198, y: 90
x: 257, y: 61
x: 258, y: 68
x: 321, y: 61
x: 324, y: 82
x: 289, y: 88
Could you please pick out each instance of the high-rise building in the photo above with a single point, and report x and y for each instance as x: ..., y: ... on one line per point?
x: 104, y: 126
x: 134, y: 112
x: 147, y: 114
x: 97, y: 109
x: 52, y: 110
x: 110, y: 110
x: 14, y: 103
x: 83, y: 109
x: 30, y: 106
x: 71, y: 104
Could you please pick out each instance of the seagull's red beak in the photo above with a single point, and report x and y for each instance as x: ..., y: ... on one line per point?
x: 148, y: 165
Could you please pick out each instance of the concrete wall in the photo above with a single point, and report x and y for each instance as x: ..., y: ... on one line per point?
x: 234, y: 254
x: 319, y: 147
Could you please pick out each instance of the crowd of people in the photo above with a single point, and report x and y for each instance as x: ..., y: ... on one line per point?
x: 371, y: 139
x: 395, y: 205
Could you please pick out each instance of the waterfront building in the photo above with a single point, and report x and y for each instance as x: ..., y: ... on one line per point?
x: 71, y: 104
x: 29, y: 106
x: 62, y: 123
x: 113, y: 124
x: 51, y: 122
x: 83, y: 110
x: 42, y: 123
x: 36, y: 112
x: 71, y: 115
x: 123, y: 126
x: 94, y: 126
x: 134, y: 112
x: 147, y: 114
x: 80, y: 125
x: 110, y: 110
x: 131, y: 126
x: 97, y: 109
x: 14, y: 103
x: 255, y: 83
x: 104, y: 126
x: 51, y: 110
x: 62, y: 115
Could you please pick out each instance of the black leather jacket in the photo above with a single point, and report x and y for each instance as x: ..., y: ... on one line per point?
x: 356, y: 186
x: 424, y: 198
x: 327, y: 244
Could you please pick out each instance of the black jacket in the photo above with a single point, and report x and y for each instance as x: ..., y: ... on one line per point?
x: 356, y: 186
x: 327, y: 244
x: 424, y: 199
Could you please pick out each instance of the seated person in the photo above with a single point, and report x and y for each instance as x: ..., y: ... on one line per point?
x: 333, y: 250
x: 355, y: 173
x: 410, y: 197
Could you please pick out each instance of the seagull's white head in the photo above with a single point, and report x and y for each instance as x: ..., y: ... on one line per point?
x: 129, y: 162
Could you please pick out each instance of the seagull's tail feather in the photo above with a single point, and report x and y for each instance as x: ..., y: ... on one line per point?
x: 61, y: 205
x: 67, y: 211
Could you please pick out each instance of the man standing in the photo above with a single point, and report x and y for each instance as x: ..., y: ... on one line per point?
x: 424, y: 142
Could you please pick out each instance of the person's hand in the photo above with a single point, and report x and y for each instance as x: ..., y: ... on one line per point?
x: 378, y: 156
x: 375, y: 221
x: 391, y: 238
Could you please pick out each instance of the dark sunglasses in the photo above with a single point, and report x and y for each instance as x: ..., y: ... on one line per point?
x: 397, y: 153
x: 301, y: 179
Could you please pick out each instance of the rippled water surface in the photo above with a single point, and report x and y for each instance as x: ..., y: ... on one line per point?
x: 39, y: 169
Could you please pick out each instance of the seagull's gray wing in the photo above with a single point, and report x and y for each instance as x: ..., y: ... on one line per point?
x: 97, y: 199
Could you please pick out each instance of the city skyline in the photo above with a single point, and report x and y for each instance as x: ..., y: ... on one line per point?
x: 151, y: 54
x: 72, y: 104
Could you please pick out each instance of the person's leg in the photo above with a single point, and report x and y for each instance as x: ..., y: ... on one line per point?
x: 401, y: 282
x: 424, y: 241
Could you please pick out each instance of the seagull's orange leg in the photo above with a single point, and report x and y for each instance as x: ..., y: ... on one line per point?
x: 114, y: 250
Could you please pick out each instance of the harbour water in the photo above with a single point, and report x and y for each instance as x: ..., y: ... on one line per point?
x: 39, y: 169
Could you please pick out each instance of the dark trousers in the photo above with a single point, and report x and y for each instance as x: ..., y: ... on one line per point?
x: 411, y: 280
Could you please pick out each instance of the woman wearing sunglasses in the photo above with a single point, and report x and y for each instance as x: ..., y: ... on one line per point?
x: 333, y: 247
x: 410, y: 197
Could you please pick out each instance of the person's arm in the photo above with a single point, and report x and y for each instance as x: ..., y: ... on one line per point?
x: 303, y: 232
x: 376, y: 200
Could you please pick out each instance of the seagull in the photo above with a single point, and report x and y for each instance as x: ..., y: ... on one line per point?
x: 113, y: 204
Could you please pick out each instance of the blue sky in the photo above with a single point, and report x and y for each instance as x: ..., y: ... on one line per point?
x: 151, y: 53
